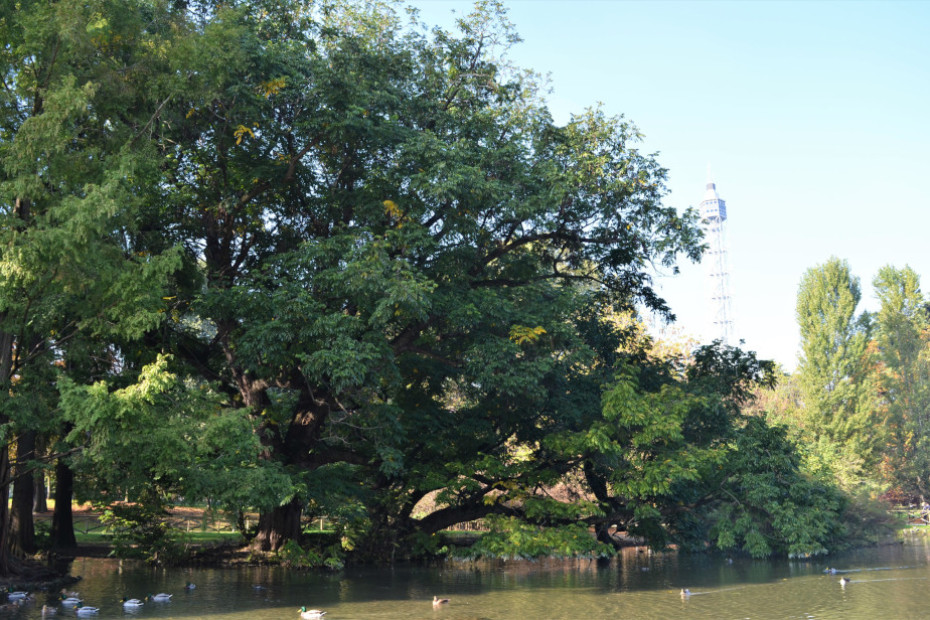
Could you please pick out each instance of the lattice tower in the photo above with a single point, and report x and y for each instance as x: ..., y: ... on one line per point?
x: 714, y: 216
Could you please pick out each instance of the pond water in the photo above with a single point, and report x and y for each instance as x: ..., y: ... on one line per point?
x: 886, y: 582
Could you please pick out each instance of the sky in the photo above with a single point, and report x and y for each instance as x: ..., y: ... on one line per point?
x: 814, y: 118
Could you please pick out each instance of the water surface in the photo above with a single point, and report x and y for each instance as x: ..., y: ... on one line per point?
x: 886, y: 582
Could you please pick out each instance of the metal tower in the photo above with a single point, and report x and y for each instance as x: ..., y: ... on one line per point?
x: 714, y: 216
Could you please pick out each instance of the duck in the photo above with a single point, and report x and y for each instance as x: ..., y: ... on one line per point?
x: 80, y: 610
x: 190, y: 586
x: 48, y: 611
x: 829, y: 571
x: 685, y: 593
x: 844, y: 581
x: 439, y: 601
x: 311, y: 614
x: 131, y: 603
x: 161, y: 597
x: 70, y: 601
x: 17, y: 596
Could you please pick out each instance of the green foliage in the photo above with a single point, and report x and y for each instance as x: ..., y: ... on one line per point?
x: 311, y: 260
x: 513, y: 538
x: 904, y: 378
x: 138, y: 531
x: 158, y: 438
x: 292, y: 555
x: 769, y: 504
x: 836, y: 365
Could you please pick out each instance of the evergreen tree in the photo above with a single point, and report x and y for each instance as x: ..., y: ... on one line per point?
x: 75, y: 163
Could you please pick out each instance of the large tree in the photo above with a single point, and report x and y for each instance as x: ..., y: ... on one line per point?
x: 75, y: 162
x: 392, y: 234
x: 901, y: 337
x: 835, y: 369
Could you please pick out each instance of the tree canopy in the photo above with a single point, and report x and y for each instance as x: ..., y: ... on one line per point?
x: 315, y: 257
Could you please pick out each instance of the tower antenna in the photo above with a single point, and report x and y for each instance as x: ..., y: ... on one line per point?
x: 714, y: 215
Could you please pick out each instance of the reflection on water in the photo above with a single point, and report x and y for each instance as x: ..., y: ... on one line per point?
x: 887, y: 582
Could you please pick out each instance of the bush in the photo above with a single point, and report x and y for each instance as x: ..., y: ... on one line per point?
x: 141, y: 532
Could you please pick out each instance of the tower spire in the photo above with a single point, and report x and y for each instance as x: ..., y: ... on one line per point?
x: 714, y: 215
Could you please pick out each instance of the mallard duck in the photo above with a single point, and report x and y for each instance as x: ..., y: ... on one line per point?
x: 685, y: 592
x: 439, y: 601
x: 131, y: 603
x: 70, y: 601
x: 161, y: 597
x: 17, y: 596
x: 844, y: 581
x: 311, y: 614
x: 48, y: 611
x: 829, y: 571
x: 190, y: 586
x: 80, y: 610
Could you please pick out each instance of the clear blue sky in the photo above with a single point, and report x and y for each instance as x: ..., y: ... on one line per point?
x: 814, y: 117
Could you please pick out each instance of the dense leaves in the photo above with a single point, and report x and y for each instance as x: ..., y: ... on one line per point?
x: 314, y: 258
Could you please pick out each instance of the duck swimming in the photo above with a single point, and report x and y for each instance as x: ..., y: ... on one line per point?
x: 161, y: 597
x: 439, y: 601
x: 131, y: 603
x: 311, y: 614
x: 80, y: 610
x: 685, y: 593
x: 844, y: 581
x: 70, y: 601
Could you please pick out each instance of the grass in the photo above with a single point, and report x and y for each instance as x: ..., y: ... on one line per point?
x: 194, y: 525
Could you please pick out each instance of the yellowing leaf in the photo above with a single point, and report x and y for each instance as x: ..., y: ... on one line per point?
x: 394, y: 211
x: 522, y: 334
x: 272, y: 87
x: 240, y: 133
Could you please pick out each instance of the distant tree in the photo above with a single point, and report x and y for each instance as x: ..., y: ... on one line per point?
x: 903, y: 344
x: 781, y: 404
x: 835, y: 370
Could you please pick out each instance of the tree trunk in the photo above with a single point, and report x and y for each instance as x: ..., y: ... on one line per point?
x: 23, y: 534
x: 63, y: 520
x: 40, y: 503
x: 41, y: 492
x: 278, y: 526
x: 4, y: 511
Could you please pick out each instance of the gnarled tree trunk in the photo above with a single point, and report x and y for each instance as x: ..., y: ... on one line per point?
x: 278, y: 526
